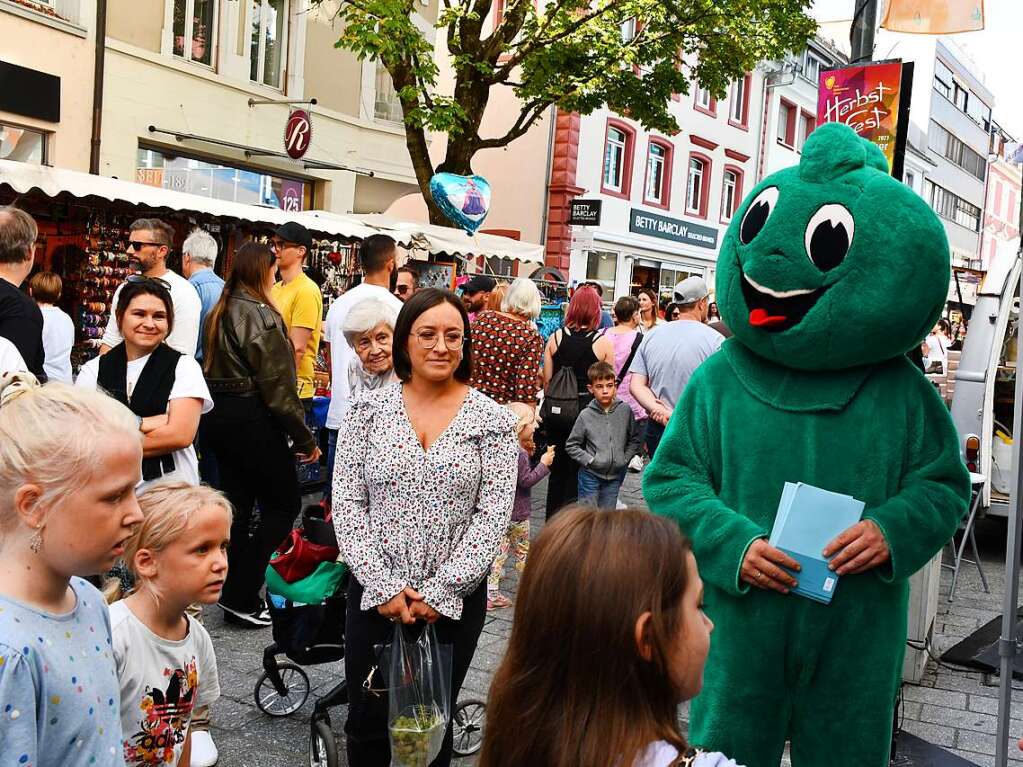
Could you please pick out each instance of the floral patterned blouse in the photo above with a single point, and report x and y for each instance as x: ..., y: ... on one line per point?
x: 432, y: 519
x: 506, y: 358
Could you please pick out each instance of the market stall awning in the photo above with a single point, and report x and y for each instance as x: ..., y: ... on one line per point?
x: 441, y: 239
x: 52, y: 182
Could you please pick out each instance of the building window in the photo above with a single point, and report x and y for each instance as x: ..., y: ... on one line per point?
x: 269, y: 42
x: 704, y: 101
x: 22, y: 145
x: 954, y: 208
x: 195, y: 30
x: 812, y: 66
x: 954, y: 150
x: 602, y: 267
x: 731, y: 192
x: 787, y: 113
x: 617, y: 160
x: 978, y: 111
x: 943, y: 79
x: 221, y: 182
x: 698, y: 186
x: 959, y: 96
x: 910, y: 179
x: 629, y: 30
x: 807, y: 122
x: 738, y: 105
x: 658, y: 174
x: 386, y: 105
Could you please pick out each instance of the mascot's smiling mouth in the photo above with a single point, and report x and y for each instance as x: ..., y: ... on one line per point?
x: 776, y: 310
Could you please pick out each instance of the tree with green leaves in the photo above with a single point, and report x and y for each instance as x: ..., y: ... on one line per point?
x: 568, y: 53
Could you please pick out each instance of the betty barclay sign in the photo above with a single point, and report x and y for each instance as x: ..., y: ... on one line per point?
x: 674, y: 229
x: 298, y: 134
x: 873, y: 100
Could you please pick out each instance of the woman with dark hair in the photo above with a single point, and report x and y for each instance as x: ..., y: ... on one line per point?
x: 250, y: 368
x: 672, y: 312
x: 162, y: 387
x: 648, y: 316
x: 422, y: 497
x: 578, y: 345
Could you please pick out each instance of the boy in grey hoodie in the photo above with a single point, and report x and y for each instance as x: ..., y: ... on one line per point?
x: 603, y: 441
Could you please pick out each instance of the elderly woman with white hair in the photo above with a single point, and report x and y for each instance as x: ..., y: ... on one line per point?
x: 507, y: 347
x: 369, y: 329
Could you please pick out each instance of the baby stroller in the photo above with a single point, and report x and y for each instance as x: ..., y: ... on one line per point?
x: 309, y: 630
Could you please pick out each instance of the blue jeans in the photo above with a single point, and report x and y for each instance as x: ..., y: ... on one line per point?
x: 654, y: 432
x: 599, y: 492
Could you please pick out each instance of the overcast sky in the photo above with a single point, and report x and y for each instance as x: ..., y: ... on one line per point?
x: 995, y: 49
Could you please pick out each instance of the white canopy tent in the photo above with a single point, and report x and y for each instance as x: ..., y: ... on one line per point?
x: 24, y: 178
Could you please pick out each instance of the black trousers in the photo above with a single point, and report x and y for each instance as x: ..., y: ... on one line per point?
x: 563, y: 481
x: 367, y: 631
x: 256, y: 466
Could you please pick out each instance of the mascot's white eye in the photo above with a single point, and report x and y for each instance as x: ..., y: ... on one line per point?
x: 757, y: 213
x: 829, y: 236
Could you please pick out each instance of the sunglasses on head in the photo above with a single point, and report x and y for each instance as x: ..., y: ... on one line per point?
x: 141, y: 279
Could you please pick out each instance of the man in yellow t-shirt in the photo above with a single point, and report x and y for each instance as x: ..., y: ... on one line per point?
x: 299, y: 301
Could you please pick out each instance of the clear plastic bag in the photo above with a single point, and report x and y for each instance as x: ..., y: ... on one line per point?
x: 419, y: 696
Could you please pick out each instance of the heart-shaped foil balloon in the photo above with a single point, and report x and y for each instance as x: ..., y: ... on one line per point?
x: 463, y: 199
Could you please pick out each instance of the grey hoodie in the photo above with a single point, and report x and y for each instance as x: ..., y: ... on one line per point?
x: 604, y: 443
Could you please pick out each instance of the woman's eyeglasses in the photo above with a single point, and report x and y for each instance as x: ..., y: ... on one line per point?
x: 428, y: 339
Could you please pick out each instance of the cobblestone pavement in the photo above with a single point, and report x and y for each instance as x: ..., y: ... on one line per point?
x: 952, y: 708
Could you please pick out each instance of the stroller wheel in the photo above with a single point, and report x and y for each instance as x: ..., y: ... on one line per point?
x: 322, y: 746
x: 289, y: 698
x: 467, y: 724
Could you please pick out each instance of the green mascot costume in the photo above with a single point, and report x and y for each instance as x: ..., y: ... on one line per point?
x: 829, y: 272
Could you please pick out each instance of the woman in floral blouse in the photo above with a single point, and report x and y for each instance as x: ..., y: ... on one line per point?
x: 424, y: 481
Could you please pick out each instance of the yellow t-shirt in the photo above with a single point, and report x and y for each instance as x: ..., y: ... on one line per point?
x: 301, y: 304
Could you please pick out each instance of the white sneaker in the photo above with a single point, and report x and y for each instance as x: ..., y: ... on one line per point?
x: 204, y: 750
x: 636, y: 464
x: 619, y: 506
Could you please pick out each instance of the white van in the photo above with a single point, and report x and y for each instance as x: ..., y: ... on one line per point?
x: 985, y: 383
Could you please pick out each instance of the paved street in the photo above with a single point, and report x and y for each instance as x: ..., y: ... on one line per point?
x: 953, y: 708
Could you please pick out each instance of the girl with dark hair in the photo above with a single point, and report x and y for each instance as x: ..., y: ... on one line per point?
x: 421, y: 498
x: 163, y: 388
x: 606, y: 692
x: 250, y: 367
x: 578, y: 345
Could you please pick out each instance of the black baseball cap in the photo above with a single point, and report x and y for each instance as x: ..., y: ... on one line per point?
x: 296, y: 233
x: 478, y: 283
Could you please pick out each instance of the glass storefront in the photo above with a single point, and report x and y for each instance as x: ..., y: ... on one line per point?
x: 221, y: 182
x: 602, y: 267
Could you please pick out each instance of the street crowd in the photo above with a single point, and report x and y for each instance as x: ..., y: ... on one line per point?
x: 435, y: 437
x: 445, y: 412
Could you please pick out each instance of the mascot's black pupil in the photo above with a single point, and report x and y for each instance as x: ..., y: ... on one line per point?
x: 755, y: 219
x: 828, y: 245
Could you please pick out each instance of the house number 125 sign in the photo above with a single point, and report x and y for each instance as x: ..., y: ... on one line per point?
x: 298, y: 134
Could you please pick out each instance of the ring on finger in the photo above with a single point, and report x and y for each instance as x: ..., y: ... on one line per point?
x: 757, y: 575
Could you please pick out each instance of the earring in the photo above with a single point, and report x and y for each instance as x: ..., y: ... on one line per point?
x: 36, y: 541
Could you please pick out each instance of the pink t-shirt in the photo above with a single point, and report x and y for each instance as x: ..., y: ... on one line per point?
x: 622, y: 344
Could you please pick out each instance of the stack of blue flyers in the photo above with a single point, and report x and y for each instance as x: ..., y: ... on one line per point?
x: 808, y: 520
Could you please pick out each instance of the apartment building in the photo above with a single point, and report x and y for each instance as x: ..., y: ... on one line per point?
x: 197, y: 95
x: 1001, y: 234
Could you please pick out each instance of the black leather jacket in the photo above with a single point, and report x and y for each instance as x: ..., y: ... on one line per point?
x: 252, y: 356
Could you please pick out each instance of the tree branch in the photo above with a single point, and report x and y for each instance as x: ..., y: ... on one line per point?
x: 521, y: 126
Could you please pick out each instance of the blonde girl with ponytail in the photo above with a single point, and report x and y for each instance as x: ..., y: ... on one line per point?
x: 176, y: 557
x: 69, y: 463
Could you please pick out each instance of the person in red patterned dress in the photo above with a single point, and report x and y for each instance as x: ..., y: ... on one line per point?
x: 507, y: 347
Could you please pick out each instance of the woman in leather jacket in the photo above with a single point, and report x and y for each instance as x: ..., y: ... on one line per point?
x: 250, y: 369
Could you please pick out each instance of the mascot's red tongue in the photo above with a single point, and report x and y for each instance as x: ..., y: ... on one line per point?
x: 759, y: 318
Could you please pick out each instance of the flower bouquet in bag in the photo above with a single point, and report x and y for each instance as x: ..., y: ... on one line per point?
x: 419, y: 696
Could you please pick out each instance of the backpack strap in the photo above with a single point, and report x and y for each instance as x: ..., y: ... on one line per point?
x: 628, y: 360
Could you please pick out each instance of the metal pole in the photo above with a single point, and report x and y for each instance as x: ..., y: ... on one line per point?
x: 1007, y: 649
x: 97, y: 86
x: 861, y: 34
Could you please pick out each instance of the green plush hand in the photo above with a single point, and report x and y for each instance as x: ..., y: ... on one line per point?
x: 861, y: 547
x: 762, y: 567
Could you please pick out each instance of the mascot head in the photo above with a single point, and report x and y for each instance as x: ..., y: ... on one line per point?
x: 833, y: 263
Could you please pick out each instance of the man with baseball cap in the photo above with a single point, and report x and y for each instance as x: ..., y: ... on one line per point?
x: 670, y: 354
x: 299, y: 300
x: 476, y: 292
